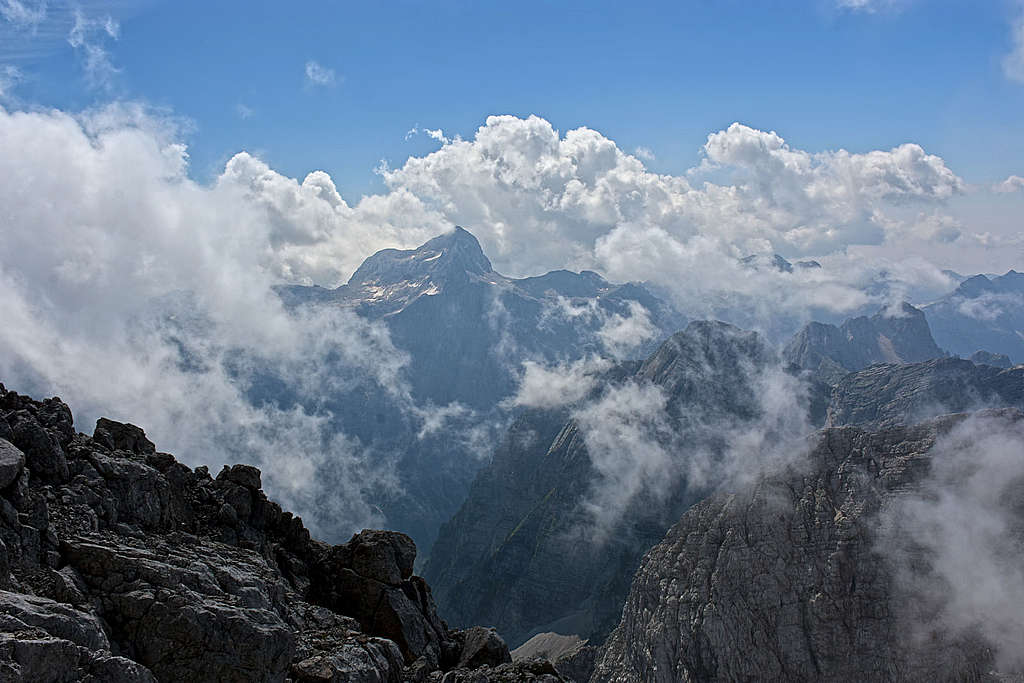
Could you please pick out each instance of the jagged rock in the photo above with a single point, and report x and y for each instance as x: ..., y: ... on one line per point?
x: 533, y: 671
x: 185, y: 610
x: 43, y: 640
x: 577, y: 665
x: 571, y: 656
x: 129, y: 566
x: 782, y: 579
x: 386, y: 556
x: 122, y: 436
x: 998, y: 360
x: 888, y: 395
x: 331, y: 649
x: 481, y: 647
x: 43, y: 453
x: 11, y: 462
x: 830, y: 352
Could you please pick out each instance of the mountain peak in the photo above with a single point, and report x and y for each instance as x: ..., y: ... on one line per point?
x: 445, y: 258
x: 459, y: 248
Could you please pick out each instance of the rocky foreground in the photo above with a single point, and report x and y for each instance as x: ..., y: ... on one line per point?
x: 118, y: 563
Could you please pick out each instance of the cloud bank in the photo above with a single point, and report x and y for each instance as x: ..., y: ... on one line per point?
x: 135, y: 292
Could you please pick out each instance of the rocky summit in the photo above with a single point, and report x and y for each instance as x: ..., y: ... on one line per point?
x: 118, y: 563
x: 829, y: 352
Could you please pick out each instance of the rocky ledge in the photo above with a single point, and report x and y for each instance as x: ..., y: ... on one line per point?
x: 118, y: 563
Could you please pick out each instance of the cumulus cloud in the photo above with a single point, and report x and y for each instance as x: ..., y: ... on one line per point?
x: 133, y: 292
x: 644, y: 153
x: 1013, y: 183
x: 319, y: 75
x: 102, y: 220
x: 957, y: 543
x: 989, y: 306
x: 620, y: 329
x: 539, y: 200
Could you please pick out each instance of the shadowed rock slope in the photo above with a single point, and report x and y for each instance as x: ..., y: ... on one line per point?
x: 782, y: 580
x: 118, y: 563
x: 523, y: 553
x: 830, y: 352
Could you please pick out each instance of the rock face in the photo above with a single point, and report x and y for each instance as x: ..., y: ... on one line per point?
x: 522, y: 554
x: 888, y: 395
x: 466, y: 330
x: 118, y: 563
x: 829, y: 352
x: 782, y: 581
x: 996, y: 360
x: 982, y: 313
x: 572, y: 657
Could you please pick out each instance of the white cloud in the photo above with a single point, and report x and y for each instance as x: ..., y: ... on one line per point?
x: 644, y: 446
x: 9, y: 77
x: 88, y: 36
x: 1013, y: 183
x: 101, y: 219
x: 23, y: 15
x: 539, y: 200
x: 870, y: 6
x: 644, y: 153
x: 543, y: 386
x: 956, y: 543
x: 622, y: 334
x: 1013, y: 63
x: 104, y: 233
x: 318, y: 75
x: 434, y: 134
x: 243, y: 111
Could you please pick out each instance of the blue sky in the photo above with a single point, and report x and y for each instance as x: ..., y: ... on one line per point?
x: 655, y: 75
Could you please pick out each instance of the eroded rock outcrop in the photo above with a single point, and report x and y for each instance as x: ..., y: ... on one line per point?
x: 117, y: 563
x: 884, y: 396
x: 785, y: 579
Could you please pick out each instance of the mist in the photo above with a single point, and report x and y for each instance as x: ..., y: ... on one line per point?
x: 956, y: 541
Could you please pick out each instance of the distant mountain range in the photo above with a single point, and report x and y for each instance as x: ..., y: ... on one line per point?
x: 983, y: 313
x: 662, y: 497
x: 830, y: 351
x: 467, y: 331
x: 513, y: 555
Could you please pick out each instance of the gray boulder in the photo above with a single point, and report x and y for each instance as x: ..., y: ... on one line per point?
x: 12, y: 461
